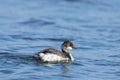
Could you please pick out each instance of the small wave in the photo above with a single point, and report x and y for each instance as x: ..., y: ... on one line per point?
x: 106, y: 63
x: 81, y: 1
x: 56, y: 39
x: 115, y: 56
x: 84, y: 48
x: 77, y: 64
x: 36, y: 21
x: 14, y: 59
x: 38, y: 38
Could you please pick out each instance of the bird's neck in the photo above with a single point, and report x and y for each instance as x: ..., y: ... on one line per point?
x: 67, y: 54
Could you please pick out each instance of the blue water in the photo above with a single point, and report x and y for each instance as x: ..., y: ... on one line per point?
x: 28, y: 26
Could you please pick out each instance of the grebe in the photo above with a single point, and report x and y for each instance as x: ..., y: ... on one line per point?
x: 53, y: 55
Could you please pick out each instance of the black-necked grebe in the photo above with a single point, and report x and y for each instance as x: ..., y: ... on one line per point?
x: 53, y: 55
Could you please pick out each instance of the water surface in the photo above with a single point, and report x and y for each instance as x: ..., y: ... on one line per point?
x: 27, y: 27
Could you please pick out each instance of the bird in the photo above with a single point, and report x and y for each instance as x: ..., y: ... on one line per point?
x: 54, y: 55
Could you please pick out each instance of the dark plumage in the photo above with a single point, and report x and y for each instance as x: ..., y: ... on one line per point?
x: 64, y: 54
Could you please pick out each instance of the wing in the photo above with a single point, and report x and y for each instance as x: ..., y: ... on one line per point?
x: 51, y: 51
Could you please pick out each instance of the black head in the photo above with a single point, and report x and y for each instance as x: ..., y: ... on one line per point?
x: 67, y: 46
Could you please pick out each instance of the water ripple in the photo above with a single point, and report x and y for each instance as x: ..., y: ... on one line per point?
x: 38, y: 38
x: 106, y: 63
x: 29, y: 26
x: 37, y: 21
x: 115, y: 56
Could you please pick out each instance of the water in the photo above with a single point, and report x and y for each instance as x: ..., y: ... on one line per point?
x: 27, y: 27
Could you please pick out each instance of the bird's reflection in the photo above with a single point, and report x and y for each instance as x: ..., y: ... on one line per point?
x: 65, y: 68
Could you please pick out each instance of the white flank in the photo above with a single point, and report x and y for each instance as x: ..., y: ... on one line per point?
x: 51, y: 57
